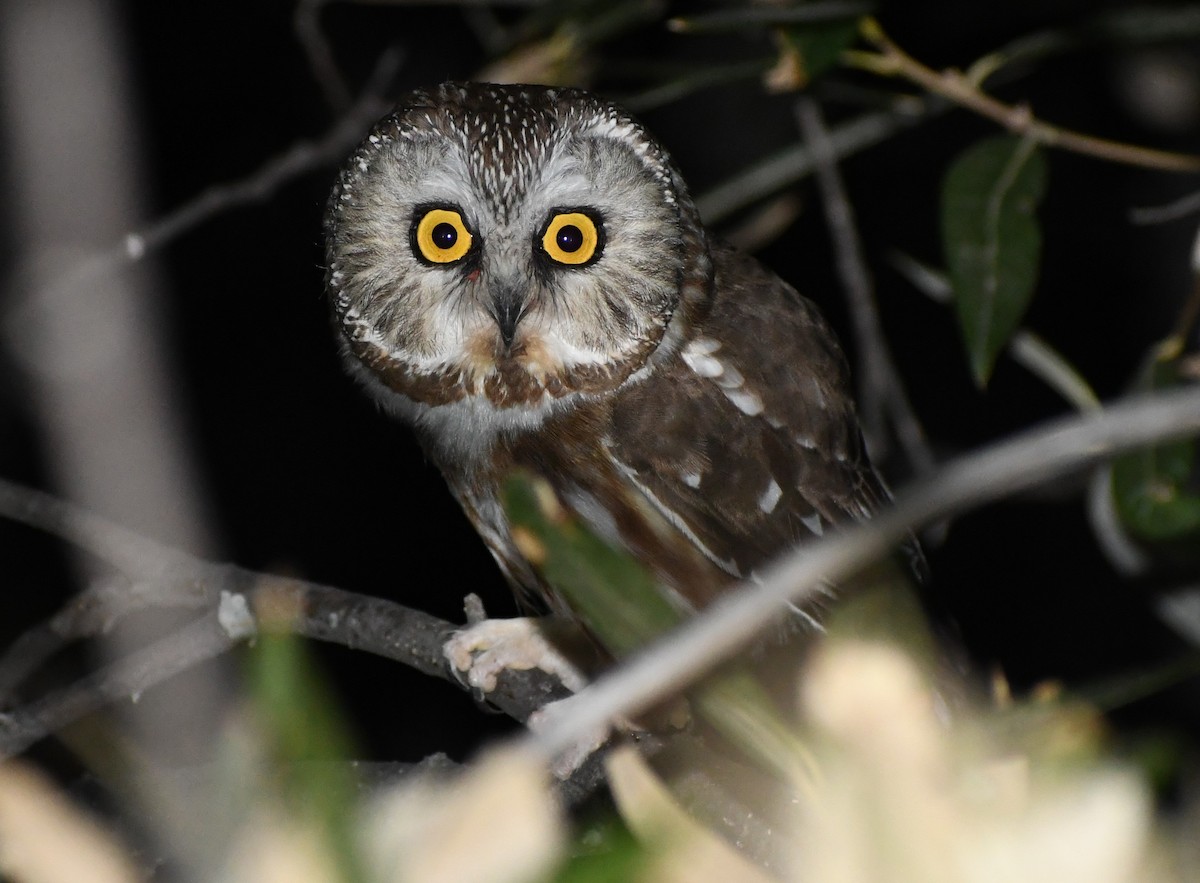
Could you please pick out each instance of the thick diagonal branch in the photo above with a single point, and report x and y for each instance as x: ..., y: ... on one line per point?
x: 1059, y: 447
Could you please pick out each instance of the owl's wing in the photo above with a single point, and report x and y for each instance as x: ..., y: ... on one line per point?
x: 747, y: 440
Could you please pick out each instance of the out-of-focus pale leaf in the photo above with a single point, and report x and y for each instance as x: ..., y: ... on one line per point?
x: 968, y: 797
x: 1156, y: 490
x: 557, y: 60
x: 497, y: 823
x: 992, y: 242
x: 274, y: 846
x: 683, y: 850
x: 44, y: 838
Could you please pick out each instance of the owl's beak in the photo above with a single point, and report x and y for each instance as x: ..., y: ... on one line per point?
x: 508, y: 306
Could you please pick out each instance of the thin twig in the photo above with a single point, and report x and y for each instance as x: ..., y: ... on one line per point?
x: 198, y: 642
x: 136, y: 556
x: 306, y: 22
x: 92, y: 612
x: 1049, y: 366
x: 162, y: 576
x: 963, y: 90
x: 881, y: 393
x: 1027, y: 349
x: 1008, y: 467
x: 301, y: 157
x: 794, y: 163
x: 692, y: 82
x: 1172, y: 211
x: 745, y: 17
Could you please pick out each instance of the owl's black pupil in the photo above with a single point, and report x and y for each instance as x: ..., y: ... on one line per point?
x: 444, y: 235
x: 569, y: 238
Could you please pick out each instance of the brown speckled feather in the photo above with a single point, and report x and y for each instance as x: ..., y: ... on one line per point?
x: 686, y: 403
x: 751, y: 485
x: 674, y: 470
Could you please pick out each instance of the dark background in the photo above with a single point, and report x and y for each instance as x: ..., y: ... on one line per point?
x: 302, y: 475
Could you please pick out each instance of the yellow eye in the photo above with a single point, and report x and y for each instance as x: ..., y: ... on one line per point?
x: 441, y: 236
x: 571, y: 238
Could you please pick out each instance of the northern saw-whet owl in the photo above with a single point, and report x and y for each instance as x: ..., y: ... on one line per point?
x: 520, y: 273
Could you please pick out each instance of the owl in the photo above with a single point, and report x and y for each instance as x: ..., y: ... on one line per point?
x: 520, y: 274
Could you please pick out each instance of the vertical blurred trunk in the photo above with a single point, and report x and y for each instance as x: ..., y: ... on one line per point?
x: 92, y: 349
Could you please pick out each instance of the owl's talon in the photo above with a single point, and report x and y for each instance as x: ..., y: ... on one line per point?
x: 484, y: 650
x: 473, y: 609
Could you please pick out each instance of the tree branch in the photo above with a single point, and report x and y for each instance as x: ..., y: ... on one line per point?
x: 881, y: 393
x: 964, y: 91
x: 794, y: 163
x: 233, y: 600
x: 306, y: 23
x: 1007, y: 467
x: 301, y: 157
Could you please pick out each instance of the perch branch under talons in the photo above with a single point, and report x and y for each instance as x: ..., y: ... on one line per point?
x: 231, y: 602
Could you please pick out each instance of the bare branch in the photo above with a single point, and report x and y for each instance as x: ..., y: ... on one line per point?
x: 323, y: 613
x: 161, y: 576
x: 301, y: 157
x: 306, y: 22
x: 964, y: 90
x: 743, y: 18
x: 1172, y: 211
x: 1008, y: 467
x: 1049, y: 366
x: 796, y: 162
x: 200, y: 641
x: 881, y: 393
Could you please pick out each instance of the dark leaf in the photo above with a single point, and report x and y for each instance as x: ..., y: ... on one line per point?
x: 992, y: 241
x: 1156, y: 490
x: 819, y: 47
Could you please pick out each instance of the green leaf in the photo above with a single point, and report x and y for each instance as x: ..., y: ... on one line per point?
x: 820, y: 47
x: 622, y: 605
x: 992, y: 241
x: 1155, y: 488
x: 608, y: 590
x: 306, y: 741
x: 605, y: 852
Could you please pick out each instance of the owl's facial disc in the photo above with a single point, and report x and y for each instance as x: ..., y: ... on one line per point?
x: 513, y: 244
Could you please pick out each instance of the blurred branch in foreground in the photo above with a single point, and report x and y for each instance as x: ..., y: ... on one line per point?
x: 232, y: 597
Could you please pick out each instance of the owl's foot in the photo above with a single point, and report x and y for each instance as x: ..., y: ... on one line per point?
x: 484, y: 650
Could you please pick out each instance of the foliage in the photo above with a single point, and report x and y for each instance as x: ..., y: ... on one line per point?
x: 992, y: 241
x: 889, y: 765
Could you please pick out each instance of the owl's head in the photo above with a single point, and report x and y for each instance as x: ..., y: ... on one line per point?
x: 514, y: 245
